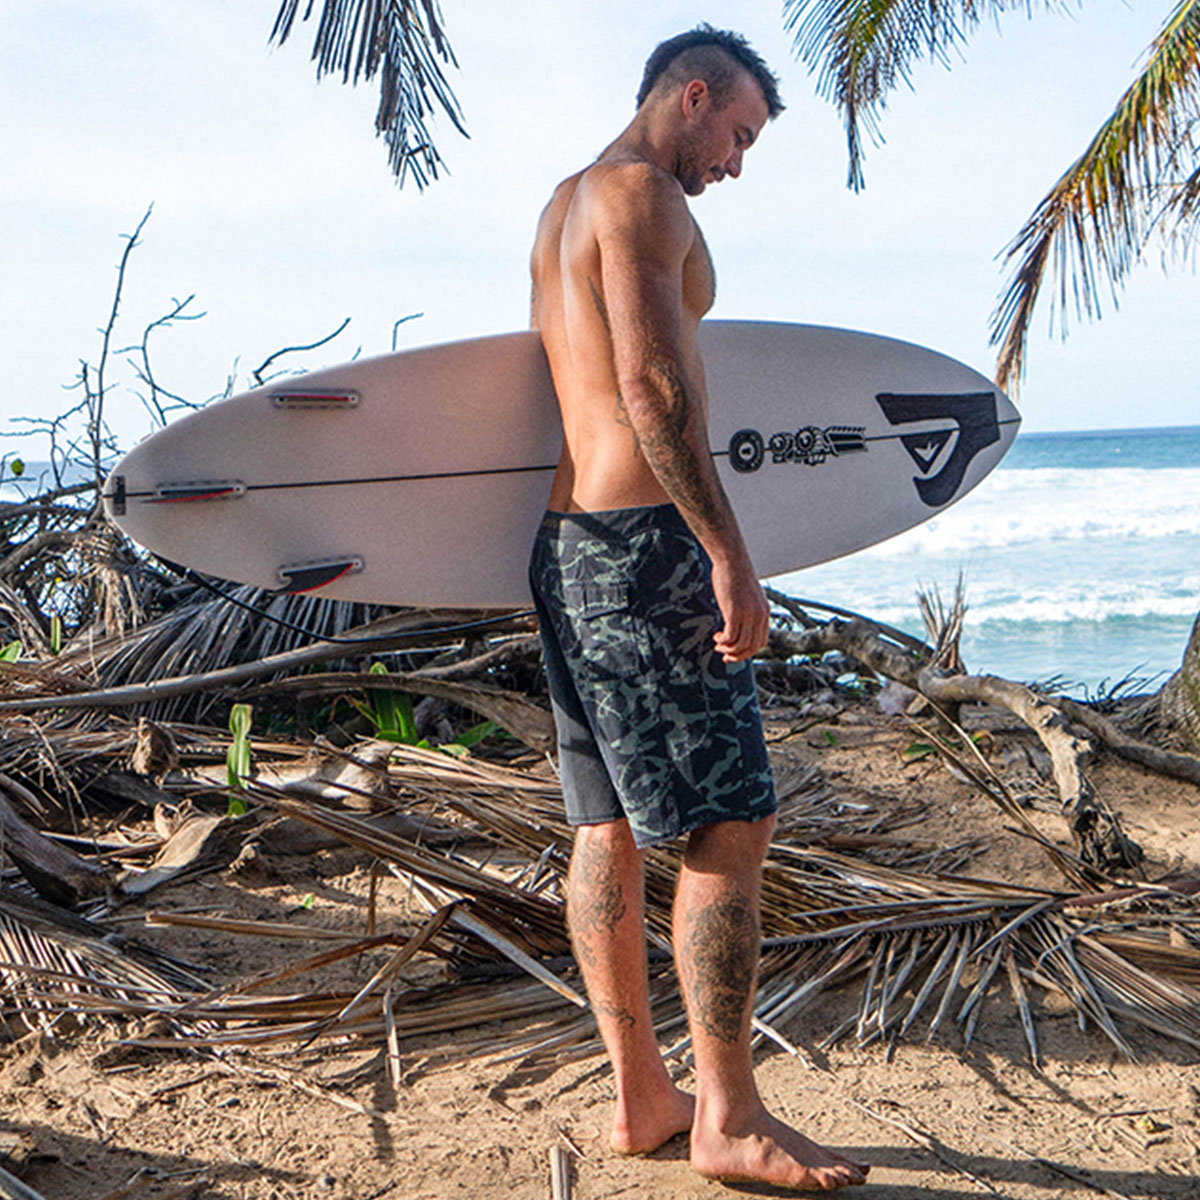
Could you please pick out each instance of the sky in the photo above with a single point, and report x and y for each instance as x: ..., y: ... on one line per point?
x: 274, y: 206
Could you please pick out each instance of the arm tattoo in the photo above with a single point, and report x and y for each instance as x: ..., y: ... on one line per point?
x: 721, y: 960
x: 666, y: 447
x: 673, y: 458
x: 601, y: 307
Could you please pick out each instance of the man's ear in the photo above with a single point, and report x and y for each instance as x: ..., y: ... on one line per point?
x: 694, y: 97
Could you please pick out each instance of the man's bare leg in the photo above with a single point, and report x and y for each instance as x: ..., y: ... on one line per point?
x: 606, y: 917
x: 716, y: 929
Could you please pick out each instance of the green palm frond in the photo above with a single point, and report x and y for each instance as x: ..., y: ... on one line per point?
x: 404, y: 42
x: 1137, y: 175
x: 862, y: 49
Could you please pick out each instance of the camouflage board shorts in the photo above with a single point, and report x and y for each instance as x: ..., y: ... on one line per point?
x: 652, y: 724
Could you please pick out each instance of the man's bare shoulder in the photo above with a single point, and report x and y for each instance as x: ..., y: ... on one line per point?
x: 630, y: 197
x: 625, y: 181
x: 560, y: 200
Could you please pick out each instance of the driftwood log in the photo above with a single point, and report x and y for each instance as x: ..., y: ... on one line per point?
x: 1061, y: 724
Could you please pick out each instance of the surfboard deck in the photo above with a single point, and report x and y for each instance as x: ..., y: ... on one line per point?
x: 419, y: 478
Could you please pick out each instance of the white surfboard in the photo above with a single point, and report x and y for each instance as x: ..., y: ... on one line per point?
x: 420, y: 478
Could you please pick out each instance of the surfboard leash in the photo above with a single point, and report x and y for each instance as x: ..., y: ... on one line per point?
x: 283, y: 623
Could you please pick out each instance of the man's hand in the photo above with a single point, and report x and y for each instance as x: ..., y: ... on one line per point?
x: 745, y: 609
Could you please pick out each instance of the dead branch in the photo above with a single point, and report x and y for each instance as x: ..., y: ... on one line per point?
x: 1094, y: 826
x: 258, y: 371
x: 41, y: 543
x: 389, y: 637
x: 145, y: 371
x: 858, y: 638
x: 1165, y: 762
x: 95, y: 396
x: 515, y: 650
x: 45, y: 502
x: 1069, y: 754
x: 54, y: 872
x: 522, y: 718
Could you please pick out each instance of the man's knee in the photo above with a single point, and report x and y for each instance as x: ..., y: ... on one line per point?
x: 729, y: 845
x: 611, y: 837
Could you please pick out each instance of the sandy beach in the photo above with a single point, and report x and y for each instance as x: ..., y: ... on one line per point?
x: 86, y: 1116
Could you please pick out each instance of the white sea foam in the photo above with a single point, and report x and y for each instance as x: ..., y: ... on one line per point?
x: 1018, y: 507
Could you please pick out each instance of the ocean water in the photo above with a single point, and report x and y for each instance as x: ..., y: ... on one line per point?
x: 1080, y: 552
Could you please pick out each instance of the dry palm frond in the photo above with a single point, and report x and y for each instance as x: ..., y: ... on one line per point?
x: 52, y: 962
x: 925, y: 951
x: 406, y: 630
x: 530, y: 921
x: 945, y: 629
x: 20, y: 623
x: 209, y: 633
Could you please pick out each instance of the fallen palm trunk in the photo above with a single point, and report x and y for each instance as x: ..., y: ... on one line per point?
x: 396, y: 633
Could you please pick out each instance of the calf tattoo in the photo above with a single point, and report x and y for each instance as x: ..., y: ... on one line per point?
x: 597, y: 900
x: 615, y: 1012
x: 721, y: 958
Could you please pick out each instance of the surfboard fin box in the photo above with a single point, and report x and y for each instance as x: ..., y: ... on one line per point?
x: 298, y: 398
x: 309, y: 576
x: 210, y: 489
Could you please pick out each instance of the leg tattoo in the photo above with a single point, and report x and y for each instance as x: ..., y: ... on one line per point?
x: 597, y: 899
x: 722, y: 953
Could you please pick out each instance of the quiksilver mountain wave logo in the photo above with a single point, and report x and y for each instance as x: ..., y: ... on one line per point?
x: 968, y: 424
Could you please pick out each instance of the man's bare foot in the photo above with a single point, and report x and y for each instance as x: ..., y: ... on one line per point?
x: 771, y: 1152
x: 652, y: 1125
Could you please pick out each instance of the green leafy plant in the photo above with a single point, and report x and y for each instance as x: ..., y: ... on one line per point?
x: 11, y: 652
x: 237, y: 758
x: 918, y: 751
x: 56, y: 631
x: 391, y: 713
x: 461, y: 746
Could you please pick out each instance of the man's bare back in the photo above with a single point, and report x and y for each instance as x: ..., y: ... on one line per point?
x: 602, y: 466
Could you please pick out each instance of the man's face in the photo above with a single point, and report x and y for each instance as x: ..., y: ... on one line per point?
x: 715, y: 139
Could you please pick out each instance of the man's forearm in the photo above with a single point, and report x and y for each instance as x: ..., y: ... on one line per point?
x: 674, y: 442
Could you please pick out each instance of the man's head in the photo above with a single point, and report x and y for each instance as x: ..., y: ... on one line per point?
x: 716, y: 94
x: 714, y: 55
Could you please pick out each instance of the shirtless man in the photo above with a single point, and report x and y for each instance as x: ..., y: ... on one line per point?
x: 650, y: 611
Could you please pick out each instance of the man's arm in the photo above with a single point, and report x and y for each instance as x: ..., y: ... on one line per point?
x: 644, y: 232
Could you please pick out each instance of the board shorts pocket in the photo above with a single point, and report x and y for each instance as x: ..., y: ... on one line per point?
x: 683, y: 664
x: 613, y: 641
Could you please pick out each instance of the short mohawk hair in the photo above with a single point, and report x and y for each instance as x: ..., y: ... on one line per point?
x: 705, y: 53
